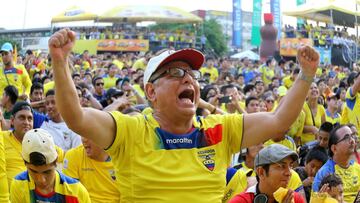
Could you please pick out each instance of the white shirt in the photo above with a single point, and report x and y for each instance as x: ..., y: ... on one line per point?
x: 62, y: 135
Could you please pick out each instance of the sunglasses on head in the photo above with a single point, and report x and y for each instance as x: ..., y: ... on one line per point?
x: 178, y: 73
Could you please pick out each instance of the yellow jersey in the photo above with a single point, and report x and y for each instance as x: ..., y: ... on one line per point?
x: 16, y: 76
x: 287, y: 142
x: 236, y: 183
x: 352, y: 108
x: 308, y: 137
x: 97, y: 177
x: 139, y: 64
x: 109, y: 82
x: 153, y: 165
x: 214, y: 73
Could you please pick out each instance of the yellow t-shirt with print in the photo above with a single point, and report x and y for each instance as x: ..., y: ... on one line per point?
x: 352, y: 114
x: 97, y: 177
x: 287, y: 142
x: 351, y: 182
x: 308, y: 137
x: 157, y: 166
x: 16, y: 76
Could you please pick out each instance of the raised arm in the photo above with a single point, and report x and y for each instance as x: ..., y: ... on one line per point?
x: 259, y: 127
x: 96, y: 125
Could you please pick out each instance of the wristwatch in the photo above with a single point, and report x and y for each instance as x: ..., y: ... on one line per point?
x: 308, y: 79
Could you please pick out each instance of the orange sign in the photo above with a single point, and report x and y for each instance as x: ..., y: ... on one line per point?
x: 122, y: 45
x: 289, y: 46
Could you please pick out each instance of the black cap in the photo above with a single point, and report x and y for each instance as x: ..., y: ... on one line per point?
x: 113, y: 92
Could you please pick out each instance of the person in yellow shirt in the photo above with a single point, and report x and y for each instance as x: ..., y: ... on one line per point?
x: 41, y: 182
x: 4, y: 188
x: 210, y: 69
x: 332, y: 114
x: 22, y: 121
x: 289, y: 80
x: 351, y: 112
x: 341, y: 148
x: 111, y: 78
x: 140, y: 63
x: 92, y: 166
x: 171, y: 154
x: 11, y: 74
x: 314, y: 115
x: 267, y: 71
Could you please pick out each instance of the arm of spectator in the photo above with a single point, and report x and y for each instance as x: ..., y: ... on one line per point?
x: 96, y: 125
x: 38, y: 104
x: 139, y: 99
x: 211, y: 108
x: 118, y: 104
x: 310, y: 129
x: 278, y: 122
x: 93, y: 101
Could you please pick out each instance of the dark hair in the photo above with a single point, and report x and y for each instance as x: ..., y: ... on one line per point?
x: 333, y: 139
x: 75, y: 75
x: 95, y: 79
x: 248, y: 88
x: 50, y: 92
x: 21, y: 105
x: 38, y: 159
x: 332, y: 179
x: 223, y: 88
x: 316, y: 154
x: 36, y: 86
x: 12, y: 93
x: 282, y: 61
x: 296, y: 71
x: 249, y: 99
x: 326, y: 127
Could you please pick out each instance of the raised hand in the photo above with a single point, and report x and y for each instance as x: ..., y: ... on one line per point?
x: 60, y: 44
x: 308, y: 59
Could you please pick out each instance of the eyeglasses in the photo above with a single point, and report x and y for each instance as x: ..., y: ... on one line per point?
x: 347, y: 138
x: 178, y: 73
x: 100, y: 83
x: 270, y: 101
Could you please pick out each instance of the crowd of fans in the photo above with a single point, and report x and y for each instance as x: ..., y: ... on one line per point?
x: 322, y: 36
x: 318, y: 154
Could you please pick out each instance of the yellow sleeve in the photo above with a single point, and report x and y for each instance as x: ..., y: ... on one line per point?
x: 18, y: 193
x: 83, y: 194
x: 4, y: 190
x: 344, y: 116
x: 71, y: 164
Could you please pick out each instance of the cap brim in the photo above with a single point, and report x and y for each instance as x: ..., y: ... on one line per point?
x: 191, y: 56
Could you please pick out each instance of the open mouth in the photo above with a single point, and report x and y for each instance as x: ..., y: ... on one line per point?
x: 187, y: 95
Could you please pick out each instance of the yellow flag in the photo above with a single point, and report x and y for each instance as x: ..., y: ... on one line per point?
x: 15, y: 55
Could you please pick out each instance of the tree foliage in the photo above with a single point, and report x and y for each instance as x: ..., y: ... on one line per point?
x: 216, y: 39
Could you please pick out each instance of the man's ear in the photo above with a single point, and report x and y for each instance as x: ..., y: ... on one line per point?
x: 150, y: 92
x: 333, y: 148
x: 260, y: 172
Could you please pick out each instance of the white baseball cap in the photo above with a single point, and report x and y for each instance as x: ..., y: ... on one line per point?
x: 191, y: 56
x: 39, y: 140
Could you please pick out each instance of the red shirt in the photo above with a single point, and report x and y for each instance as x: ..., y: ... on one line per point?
x: 249, y: 195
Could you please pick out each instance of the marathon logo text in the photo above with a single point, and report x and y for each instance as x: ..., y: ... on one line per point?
x: 179, y: 140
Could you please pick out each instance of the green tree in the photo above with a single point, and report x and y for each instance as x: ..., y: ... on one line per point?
x: 216, y: 39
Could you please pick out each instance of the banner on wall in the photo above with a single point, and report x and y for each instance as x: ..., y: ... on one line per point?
x: 275, y: 10
x: 256, y: 23
x: 237, y: 24
x: 289, y: 46
x: 122, y: 45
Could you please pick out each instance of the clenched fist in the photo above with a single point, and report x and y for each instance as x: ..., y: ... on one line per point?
x: 60, y: 44
x: 308, y: 59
